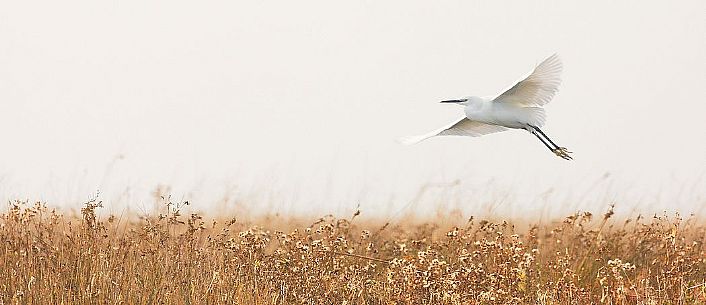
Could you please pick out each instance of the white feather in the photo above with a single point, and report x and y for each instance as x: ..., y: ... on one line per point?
x: 462, y: 127
x: 538, y: 88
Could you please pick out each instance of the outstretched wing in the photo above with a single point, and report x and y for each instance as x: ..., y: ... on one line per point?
x: 462, y: 127
x: 538, y: 88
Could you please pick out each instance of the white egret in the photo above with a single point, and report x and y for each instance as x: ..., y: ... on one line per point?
x: 519, y: 107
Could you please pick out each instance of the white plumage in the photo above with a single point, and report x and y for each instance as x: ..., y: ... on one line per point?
x: 536, y: 89
x: 463, y: 127
x: 518, y: 107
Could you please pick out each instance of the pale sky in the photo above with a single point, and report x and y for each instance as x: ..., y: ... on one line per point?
x: 294, y: 106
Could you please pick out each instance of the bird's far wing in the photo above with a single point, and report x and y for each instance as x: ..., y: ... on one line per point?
x: 463, y: 127
x: 538, y: 88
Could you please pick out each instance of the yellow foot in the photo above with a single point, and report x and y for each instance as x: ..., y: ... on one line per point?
x: 563, y: 153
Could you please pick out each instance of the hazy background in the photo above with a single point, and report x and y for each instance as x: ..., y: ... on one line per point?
x: 294, y: 106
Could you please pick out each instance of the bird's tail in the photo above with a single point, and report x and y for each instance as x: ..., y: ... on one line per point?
x: 535, y: 116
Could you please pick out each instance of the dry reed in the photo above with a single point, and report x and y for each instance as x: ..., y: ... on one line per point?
x: 49, y: 258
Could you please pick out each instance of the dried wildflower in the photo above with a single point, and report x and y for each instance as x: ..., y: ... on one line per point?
x: 571, y: 261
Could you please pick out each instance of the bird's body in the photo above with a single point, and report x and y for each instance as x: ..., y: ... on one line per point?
x: 519, y: 107
x: 507, y: 115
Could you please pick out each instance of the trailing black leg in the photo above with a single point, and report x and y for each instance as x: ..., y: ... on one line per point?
x: 532, y: 131
x: 562, y: 152
x: 545, y: 136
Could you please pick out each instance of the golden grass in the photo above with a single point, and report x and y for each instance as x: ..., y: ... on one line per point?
x: 49, y: 258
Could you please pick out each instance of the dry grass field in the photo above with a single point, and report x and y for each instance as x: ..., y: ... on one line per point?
x: 50, y: 258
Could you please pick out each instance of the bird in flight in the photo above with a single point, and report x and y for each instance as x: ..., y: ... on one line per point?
x: 519, y: 107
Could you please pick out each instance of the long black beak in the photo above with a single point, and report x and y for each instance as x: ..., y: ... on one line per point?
x: 453, y: 101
